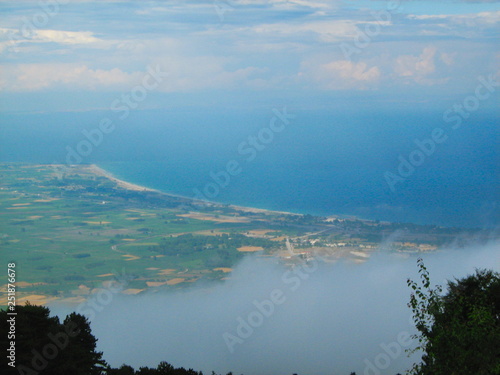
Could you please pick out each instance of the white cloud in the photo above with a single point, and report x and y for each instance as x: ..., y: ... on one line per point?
x: 205, y: 72
x: 479, y: 20
x: 34, y: 77
x: 66, y: 37
x: 326, y: 31
x: 47, y: 35
x: 447, y: 58
x: 353, y: 71
x: 340, y: 74
x: 261, y: 44
x: 422, y: 69
x: 14, y: 38
x: 184, y: 75
x: 416, y: 67
x: 286, y: 4
x: 471, y: 26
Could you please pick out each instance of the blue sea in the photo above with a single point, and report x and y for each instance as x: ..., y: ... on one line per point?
x: 336, y: 162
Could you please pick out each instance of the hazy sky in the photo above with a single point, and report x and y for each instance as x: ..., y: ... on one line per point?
x: 73, y: 54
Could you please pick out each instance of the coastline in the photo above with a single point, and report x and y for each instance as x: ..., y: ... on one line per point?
x: 95, y: 169
x: 99, y: 171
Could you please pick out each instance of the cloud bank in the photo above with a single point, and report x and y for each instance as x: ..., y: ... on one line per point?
x: 268, y: 319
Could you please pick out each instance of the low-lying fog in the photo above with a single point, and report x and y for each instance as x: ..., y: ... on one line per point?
x: 268, y: 319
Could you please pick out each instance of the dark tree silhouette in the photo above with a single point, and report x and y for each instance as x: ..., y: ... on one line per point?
x: 123, y: 370
x: 165, y: 368
x: 83, y: 357
x: 44, y: 346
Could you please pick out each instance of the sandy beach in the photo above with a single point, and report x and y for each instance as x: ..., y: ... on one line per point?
x: 123, y: 184
x: 260, y: 210
x: 134, y: 187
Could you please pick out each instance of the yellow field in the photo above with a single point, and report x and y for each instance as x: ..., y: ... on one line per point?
x: 250, y: 249
x: 167, y: 271
x: 223, y: 269
x: 218, y: 219
x: 130, y: 257
x: 175, y: 281
x: 133, y: 291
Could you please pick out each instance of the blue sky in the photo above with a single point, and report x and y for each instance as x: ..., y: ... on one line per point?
x: 79, y: 55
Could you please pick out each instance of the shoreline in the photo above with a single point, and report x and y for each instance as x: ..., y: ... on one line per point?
x: 95, y: 169
x: 99, y: 171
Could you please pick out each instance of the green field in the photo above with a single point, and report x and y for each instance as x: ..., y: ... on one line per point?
x: 72, y: 230
x: 66, y: 232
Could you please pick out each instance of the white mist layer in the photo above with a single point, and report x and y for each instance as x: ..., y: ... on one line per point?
x: 329, y: 319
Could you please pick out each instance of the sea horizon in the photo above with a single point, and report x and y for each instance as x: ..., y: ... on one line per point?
x: 123, y: 172
x: 323, y: 162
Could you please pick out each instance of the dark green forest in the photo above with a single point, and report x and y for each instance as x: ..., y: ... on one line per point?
x: 213, y: 251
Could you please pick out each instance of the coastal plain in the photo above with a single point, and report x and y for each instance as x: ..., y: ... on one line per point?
x: 75, y: 230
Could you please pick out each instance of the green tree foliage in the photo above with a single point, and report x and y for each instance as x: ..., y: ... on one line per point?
x: 459, y: 332
x: 212, y: 251
x: 189, y: 243
x: 45, y: 346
